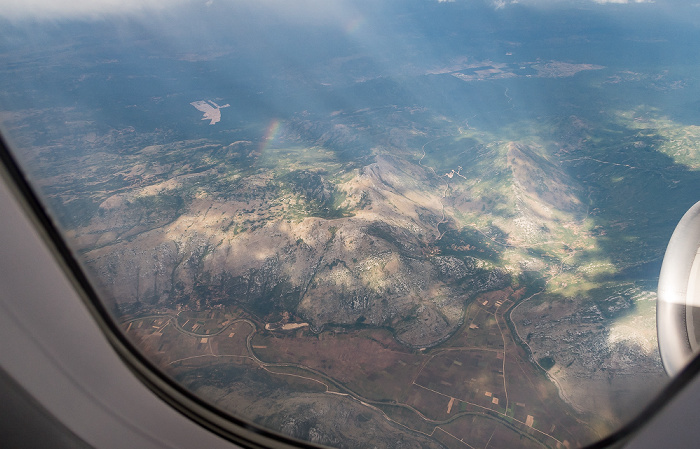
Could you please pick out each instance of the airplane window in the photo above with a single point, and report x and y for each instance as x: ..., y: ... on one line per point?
x: 415, y: 223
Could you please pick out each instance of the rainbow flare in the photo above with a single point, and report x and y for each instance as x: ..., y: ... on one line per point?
x: 270, y: 134
x: 352, y: 26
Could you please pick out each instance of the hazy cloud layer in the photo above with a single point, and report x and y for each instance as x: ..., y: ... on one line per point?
x: 58, y: 9
x: 52, y: 9
x: 623, y: 1
x: 499, y: 4
x: 307, y: 10
x: 311, y: 11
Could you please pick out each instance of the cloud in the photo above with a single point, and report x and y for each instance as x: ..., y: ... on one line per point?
x: 308, y: 10
x: 622, y: 2
x: 313, y: 12
x: 54, y: 9
x: 500, y: 4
